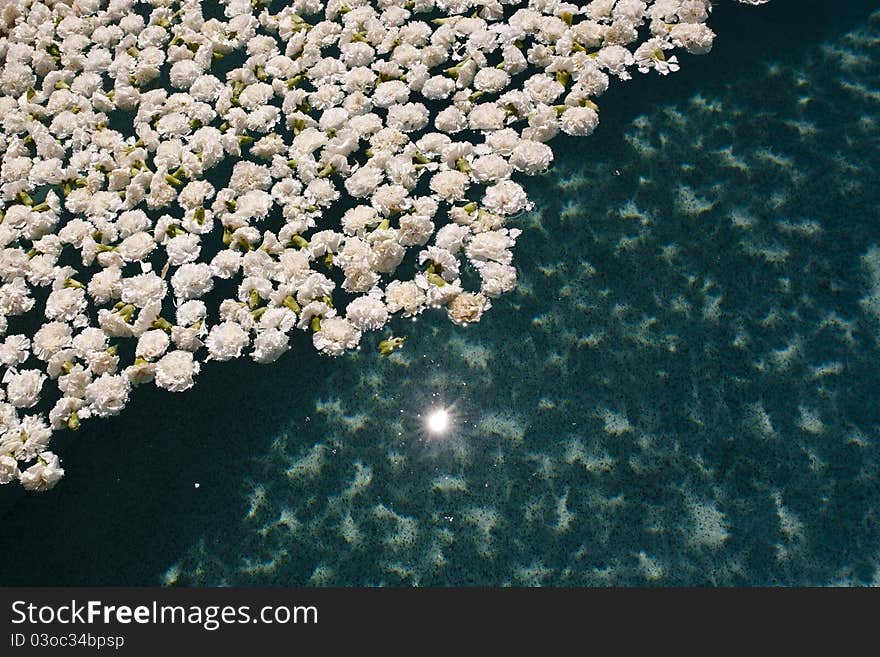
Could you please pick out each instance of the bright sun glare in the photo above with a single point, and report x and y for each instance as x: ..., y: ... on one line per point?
x: 438, y: 421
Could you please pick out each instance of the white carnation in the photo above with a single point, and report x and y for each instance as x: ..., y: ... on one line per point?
x: 404, y: 296
x: 336, y: 336
x: 191, y: 281
x: 176, y: 370
x: 226, y: 341
x: 367, y: 313
x: 531, y: 157
x: 467, y: 308
x: 107, y: 395
x: 269, y: 345
x: 51, y: 338
x: 579, y: 121
x: 449, y: 185
x: 23, y: 387
x: 506, y: 197
x: 65, y: 304
x: 143, y: 290
x: 43, y: 475
x: 8, y: 469
x: 152, y: 344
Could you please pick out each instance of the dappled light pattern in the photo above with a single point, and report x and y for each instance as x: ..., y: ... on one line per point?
x: 682, y: 391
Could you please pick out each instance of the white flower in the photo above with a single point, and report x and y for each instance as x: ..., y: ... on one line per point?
x: 542, y: 88
x: 255, y: 95
x: 405, y: 296
x: 451, y: 237
x: 8, y: 469
x: 28, y: 439
x: 497, y: 278
x: 492, y: 245
x: 390, y: 93
x: 183, y: 248
x: 451, y: 120
x: 225, y: 264
x: 191, y: 312
x: 206, y: 142
x: 65, y: 304
x: 226, y: 341
x: 438, y: 295
x: 503, y: 141
x: 248, y: 176
x: 43, y: 475
x: 269, y: 345
x: 139, y: 373
x: 389, y: 199
x: 188, y: 338
x: 385, y: 251
x: 467, y: 308
x: 88, y: 341
x: 335, y: 336
x: 143, y: 290
x: 408, y: 118
x: 490, y: 168
x: 161, y: 192
x: 438, y: 87
x: 321, y: 191
x: 106, y: 285
x: 486, y: 116
x: 74, y: 383
x: 50, y: 339
x: 107, y: 395
x: 363, y: 181
x: 314, y: 309
x: 176, y: 370
x: 15, y: 298
x: 191, y: 281
x: 184, y: 73
x: 15, y: 350
x: 491, y: 80
x: 23, y: 387
x: 315, y: 286
x: 114, y: 324
x: 414, y: 230
x: 152, y: 344
x: 443, y: 261
x: 449, y: 185
x: 324, y: 242
x: 356, y: 220
x: 579, y: 121
x: 696, y: 38
x: 506, y: 197
x: 543, y: 124
x: 367, y: 313
x: 531, y: 157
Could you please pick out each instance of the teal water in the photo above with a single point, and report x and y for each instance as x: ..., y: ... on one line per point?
x: 683, y: 390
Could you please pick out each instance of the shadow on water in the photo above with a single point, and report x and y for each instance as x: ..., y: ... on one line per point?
x: 128, y: 501
x: 128, y: 506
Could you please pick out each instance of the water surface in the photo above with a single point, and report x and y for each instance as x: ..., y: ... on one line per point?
x: 683, y: 390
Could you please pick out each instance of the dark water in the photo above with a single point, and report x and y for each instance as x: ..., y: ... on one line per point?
x: 684, y: 390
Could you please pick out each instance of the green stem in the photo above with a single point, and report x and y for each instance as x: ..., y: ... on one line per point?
x: 162, y: 324
x: 299, y: 242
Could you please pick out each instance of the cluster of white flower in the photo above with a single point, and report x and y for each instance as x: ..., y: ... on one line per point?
x: 356, y: 140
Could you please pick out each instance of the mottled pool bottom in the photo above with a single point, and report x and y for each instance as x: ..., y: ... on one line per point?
x: 684, y: 389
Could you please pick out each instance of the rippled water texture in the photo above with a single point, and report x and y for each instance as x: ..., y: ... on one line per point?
x: 684, y: 389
